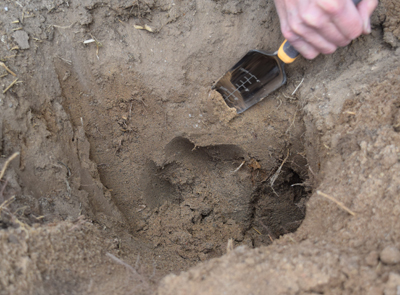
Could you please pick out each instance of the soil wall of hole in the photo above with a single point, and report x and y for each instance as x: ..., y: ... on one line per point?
x: 125, y: 131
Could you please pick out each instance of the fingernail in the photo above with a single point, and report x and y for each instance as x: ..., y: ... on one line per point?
x: 367, y: 26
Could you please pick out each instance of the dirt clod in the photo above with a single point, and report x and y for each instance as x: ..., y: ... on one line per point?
x: 22, y: 39
x: 372, y: 258
x: 390, y: 255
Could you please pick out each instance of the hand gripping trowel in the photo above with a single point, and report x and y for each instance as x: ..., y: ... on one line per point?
x: 255, y: 76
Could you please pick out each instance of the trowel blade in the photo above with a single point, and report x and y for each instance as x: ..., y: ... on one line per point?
x: 250, y: 80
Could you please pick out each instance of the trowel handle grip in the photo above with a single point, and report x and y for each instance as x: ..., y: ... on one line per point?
x: 287, y: 53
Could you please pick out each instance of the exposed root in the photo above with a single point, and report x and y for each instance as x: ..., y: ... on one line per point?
x: 130, y: 268
x: 3, y: 170
x: 340, y: 204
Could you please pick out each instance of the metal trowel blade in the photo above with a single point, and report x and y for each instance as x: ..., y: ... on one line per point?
x: 250, y: 80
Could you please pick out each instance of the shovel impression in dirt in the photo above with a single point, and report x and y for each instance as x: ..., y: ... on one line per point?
x: 255, y: 76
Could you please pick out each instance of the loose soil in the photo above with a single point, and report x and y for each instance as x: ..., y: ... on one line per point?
x: 134, y: 177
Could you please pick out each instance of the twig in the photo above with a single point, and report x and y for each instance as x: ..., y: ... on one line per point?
x: 7, y: 69
x: 276, y: 174
x: 3, y: 170
x: 298, y: 86
x: 340, y: 204
x: 11, y: 85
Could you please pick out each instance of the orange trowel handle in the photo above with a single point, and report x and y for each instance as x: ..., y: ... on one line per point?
x: 288, y: 54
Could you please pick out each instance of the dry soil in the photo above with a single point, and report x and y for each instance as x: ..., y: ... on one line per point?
x: 131, y: 176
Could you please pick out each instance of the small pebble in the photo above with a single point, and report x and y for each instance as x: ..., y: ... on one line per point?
x: 390, y: 255
x: 6, y: 8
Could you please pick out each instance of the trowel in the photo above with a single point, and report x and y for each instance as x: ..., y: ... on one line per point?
x: 255, y: 76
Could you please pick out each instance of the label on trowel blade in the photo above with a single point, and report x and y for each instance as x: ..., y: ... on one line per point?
x: 233, y: 96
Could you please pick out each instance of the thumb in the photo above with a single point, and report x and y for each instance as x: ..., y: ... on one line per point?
x: 365, y: 9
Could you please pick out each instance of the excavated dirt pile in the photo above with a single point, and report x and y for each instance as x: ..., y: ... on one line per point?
x: 122, y: 172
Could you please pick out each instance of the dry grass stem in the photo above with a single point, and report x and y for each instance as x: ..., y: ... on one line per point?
x: 68, y: 62
x: 229, y: 246
x: 7, y: 69
x: 298, y: 86
x: 145, y: 27
x: 6, y: 203
x: 276, y: 174
x: 11, y: 85
x: 3, y: 170
x: 119, y: 261
x: 63, y: 27
x: 291, y: 124
x: 238, y: 168
x: 269, y: 232
x: 133, y: 270
x: 340, y: 204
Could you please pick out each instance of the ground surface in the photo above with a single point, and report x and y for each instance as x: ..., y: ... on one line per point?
x: 133, y: 177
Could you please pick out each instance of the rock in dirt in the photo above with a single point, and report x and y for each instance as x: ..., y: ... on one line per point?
x: 393, y: 285
x: 22, y: 39
x: 390, y: 255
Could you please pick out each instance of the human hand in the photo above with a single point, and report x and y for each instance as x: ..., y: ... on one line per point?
x: 321, y: 26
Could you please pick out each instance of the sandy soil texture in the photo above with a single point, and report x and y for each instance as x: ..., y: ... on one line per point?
x: 122, y: 172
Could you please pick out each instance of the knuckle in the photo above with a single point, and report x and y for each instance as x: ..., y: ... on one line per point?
x: 329, y: 50
x: 355, y: 31
x: 344, y: 42
x: 311, y: 55
x: 296, y: 28
x: 288, y: 34
x: 312, y: 20
x: 331, y: 7
x: 373, y: 5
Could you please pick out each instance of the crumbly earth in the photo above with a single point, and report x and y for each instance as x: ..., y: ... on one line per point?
x: 134, y: 177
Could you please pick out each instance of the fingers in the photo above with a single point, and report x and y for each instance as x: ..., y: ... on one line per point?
x: 310, y: 30
x: 304, y: 48
x: 365, y: 9
x: 321, y: 31
x: 321, y: 26
x: 344, y: 15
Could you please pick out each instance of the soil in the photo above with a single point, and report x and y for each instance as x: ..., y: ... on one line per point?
x: 132, y: 176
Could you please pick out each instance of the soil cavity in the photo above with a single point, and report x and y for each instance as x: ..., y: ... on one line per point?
x: 201, y: 197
